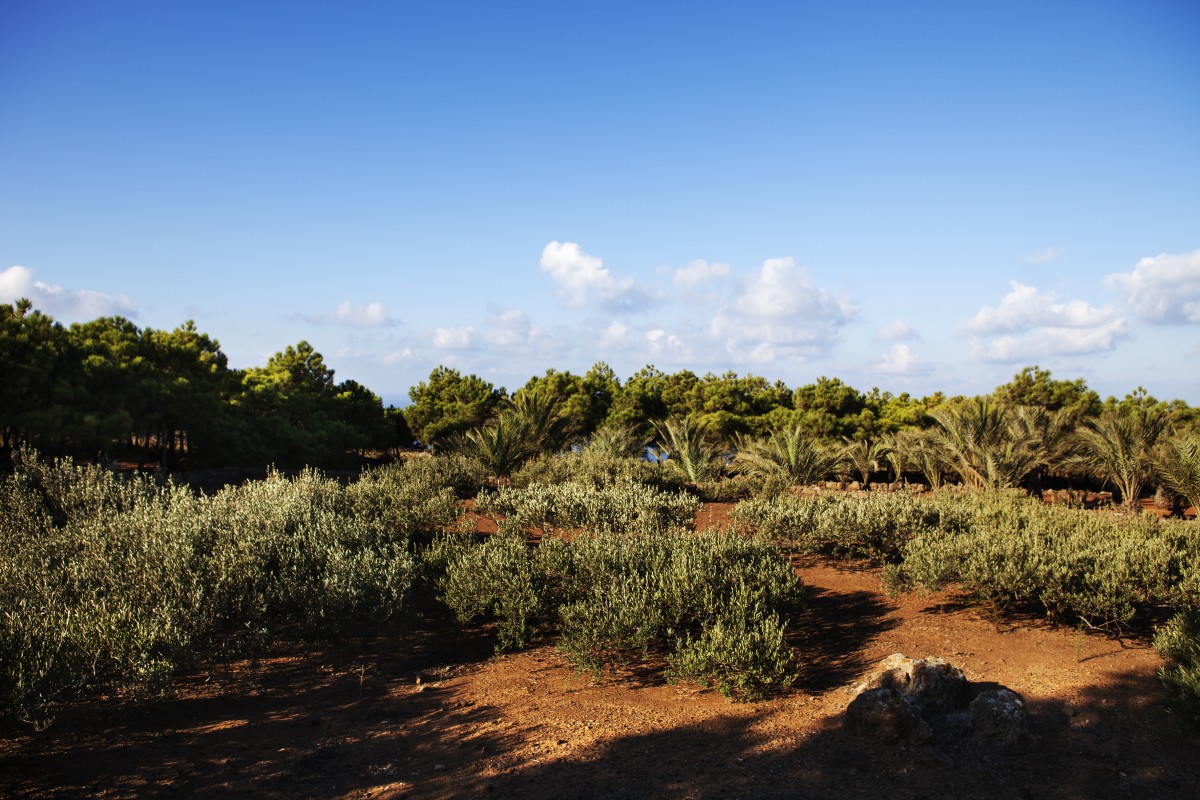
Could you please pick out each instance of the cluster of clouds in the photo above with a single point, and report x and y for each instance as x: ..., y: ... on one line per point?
x: 707, y: 315
x: 772, y: 313
x: 368, y: 315
x: 1030, y: 324
x: 78, y: 305
x: 777, y: 314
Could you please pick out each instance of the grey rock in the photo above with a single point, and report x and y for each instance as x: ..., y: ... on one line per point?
x: 932, y: 683
x: 886, y: 715
x: 999, y: 716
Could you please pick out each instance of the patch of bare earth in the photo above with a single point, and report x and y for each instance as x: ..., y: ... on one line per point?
x: 436, y: 715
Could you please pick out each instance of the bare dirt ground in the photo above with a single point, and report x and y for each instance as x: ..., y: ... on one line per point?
x: 437, y: 715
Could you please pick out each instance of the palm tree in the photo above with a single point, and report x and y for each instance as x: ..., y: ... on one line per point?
x: 538, y: 412
x: 618, y: 440
x: 917, y: 451
x: 502, y: 445
x: 1118, y: 448
x: 683, y: 446
x: 899, y: 453
x: 1178, y: 465
x: 988, y: 445
x: 863, y: 457
x: 790, y: 454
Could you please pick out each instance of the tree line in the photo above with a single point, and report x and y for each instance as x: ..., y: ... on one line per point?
x: 107, y: 389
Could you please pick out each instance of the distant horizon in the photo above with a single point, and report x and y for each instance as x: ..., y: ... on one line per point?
x: 402, y: 400
x: 916, y: 196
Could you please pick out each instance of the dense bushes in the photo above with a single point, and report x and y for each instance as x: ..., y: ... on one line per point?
x: 1099, y: 568
x: 104, y: 578
x: 709, y: 604
x: 1179, y: 643
x: 622, y: 506
x: 596, y: 467
x: 113, y: 580
x: 874, y: 526
x: 631, y: 584
x: 122, y: 581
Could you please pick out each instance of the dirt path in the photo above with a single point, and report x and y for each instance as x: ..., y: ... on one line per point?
x: 438, y: 716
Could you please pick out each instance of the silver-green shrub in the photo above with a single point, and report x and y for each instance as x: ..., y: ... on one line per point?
x: 1100, y: 568
x: 109, y: 579
x: 614, y: 599
x: 622, y: 506
x: 742, y: 650
x: 594, y: 467
x: 1178, y: 642
x: 874, y: 526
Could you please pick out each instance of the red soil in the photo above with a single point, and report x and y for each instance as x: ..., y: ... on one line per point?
x: 436, y: 715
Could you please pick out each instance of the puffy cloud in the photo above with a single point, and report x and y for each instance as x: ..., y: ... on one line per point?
x: 582, y: 278
x: 1035, y: 325
x: 508, y: 328
x: 898, y: 330
x: 614, y: 336
x: 1050, y: 254
x: 698, y: 273
x: 780, y: 314
x: 1025, y: 307
x: 1163, y: 289
x: 780, y: 290
x: 459, y: 338
x: 1046, y: 342
x: 899, y: 360
x: 397, y: 357
x: 81, y: 304
x: 661, y: 343
x: 371, y: 315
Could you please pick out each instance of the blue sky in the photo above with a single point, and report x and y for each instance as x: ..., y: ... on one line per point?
x: 917, y: 196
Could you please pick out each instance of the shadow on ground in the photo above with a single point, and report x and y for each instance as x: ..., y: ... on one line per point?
x: 831, y: 634
x: 356, y: 724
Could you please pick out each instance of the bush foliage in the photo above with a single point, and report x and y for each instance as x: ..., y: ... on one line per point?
x: 111, y: 579
x: 1179, y: 643
x: 709, y: 603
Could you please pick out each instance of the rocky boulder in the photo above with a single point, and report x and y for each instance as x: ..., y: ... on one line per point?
x: 887, y: 715
x: 907, y: 700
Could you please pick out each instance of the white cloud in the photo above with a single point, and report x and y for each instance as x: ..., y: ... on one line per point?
x: 780, y: 290
x: 1045, y: 342
x: 899, y: 360
x: 453, y: 338
x: 582, y: 278
x: 371, y: 315
x: 1046, y: 256
x: 397, y: 357
x: 898, y: 330
x: 1035, y: 325
x: 1163, y: 289
x: 81, y: 304
x: 614, y: 336
x: 508, y: 328
x: 699, y: 272
x: 660, y: 343
x: 780, y: 314
x: 1025, y: 307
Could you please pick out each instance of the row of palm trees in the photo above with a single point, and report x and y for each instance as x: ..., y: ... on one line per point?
x: 980, y: 443
x: 990, y: 446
